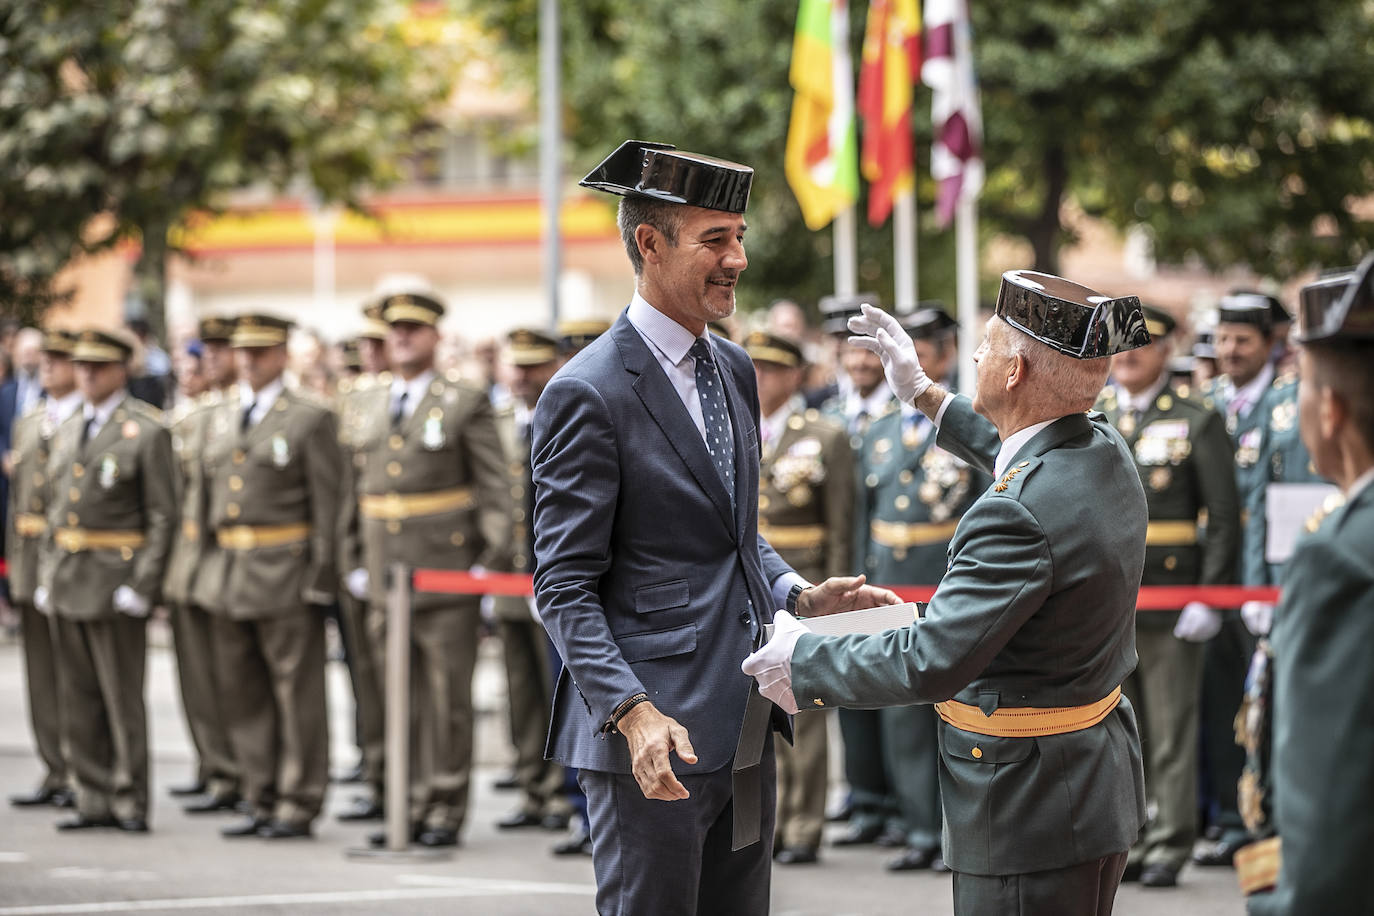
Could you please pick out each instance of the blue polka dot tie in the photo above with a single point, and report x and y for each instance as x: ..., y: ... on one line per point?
x: 712, y: 395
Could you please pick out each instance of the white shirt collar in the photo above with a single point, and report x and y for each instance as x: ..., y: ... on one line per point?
x: 101, y: 412
x: 263, y: 400
x: 1248, y: 395
x: 1012, y: 444
x: 772, y: 426
x: 1360, y: 483
x: 59, y: 409
x: 875, y: 404
x: 666, y: 335
x: 415, y: 388
x: 1143, y: 401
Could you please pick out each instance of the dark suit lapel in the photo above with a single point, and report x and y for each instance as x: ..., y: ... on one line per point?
x: 663, y: 404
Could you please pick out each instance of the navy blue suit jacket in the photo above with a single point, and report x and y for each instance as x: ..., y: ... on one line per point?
x: 9, y: 397
x: 645, y: 576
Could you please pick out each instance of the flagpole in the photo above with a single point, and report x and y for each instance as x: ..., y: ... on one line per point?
x: 966, y: 272
x: 905, y: 259
x: 846, y: 252
x: 550, y: 152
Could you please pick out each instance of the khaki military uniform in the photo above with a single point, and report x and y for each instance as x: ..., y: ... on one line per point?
x: 1185, y: 462
x: 28, y: 495
x: 192, y: 641
x: 806, y: 513
x: 272, y: 503
x: 111, y: 518
x: 433, y: 492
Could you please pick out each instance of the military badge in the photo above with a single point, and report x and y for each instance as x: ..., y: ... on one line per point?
x: 1284, y: 416
x: 433, y: 436
x: 1247, y: 449
x: 281, y: 452
x: 109, y: 471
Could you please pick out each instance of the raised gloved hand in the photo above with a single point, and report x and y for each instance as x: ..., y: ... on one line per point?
x: 771, y: 665
x: 1258, y: 616
x: 127, y: 601
x: 880, y: 333
x: 40, y: 600
x: 1198, y: 622
x: 357, y: 583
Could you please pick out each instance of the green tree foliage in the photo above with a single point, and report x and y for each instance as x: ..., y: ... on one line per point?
x: 1231, y: 129
x: 119, y: 118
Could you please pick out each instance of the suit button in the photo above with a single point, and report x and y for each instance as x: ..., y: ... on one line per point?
x: 818, y: 701
x: 744, y: 617
x: 977, y: 753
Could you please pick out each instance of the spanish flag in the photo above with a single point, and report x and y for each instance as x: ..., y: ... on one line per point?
x: 889, y: 70
x: 821, y: 161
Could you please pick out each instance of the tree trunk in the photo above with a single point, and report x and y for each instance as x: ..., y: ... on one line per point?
x: 1045, y: 232
x: 150, y: 279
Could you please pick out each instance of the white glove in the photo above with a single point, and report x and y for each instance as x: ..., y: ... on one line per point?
x: 1198, y: 622
x: 128, y: 601
x: 1258, y: 616
x: 879, y: 332
x: 771, y: 665
x: 40, y: 600
x: 357, y: 583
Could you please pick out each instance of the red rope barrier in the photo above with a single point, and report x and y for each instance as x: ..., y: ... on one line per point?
x: 1152, y: 597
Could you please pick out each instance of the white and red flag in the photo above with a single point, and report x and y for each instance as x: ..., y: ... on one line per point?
x: 956, y: 156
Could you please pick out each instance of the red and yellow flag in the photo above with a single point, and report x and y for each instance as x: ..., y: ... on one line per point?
x: 890, y: 68
x: 821, y: 162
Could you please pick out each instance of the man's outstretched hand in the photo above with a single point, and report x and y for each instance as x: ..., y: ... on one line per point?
x: 842, y: 593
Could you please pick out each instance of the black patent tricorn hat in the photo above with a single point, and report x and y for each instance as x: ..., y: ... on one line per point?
x: 1069, y: 317
x: 1339, y: 308
x: 661, y: 171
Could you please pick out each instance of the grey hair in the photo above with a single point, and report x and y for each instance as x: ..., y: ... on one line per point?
x: 1063, y: 383
x: 634, y: 211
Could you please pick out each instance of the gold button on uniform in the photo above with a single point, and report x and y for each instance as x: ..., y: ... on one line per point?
x: 393, y: 527
x: 72, y: 519
x: 977, y: 753
x: 456, y: 539
x: 1170, y: 562
x: 78, y: 471
x: 236, y: 483
x: 38, y: 479
x: 819, y: 702
x: 905, y: 477
x: 871, y: 480
x: 126, y: 554
x: 395, y: 442
x: 393, y: 469
x: 232, y: 510
x: 74, y: 495
x: 902, y: 502
x: 239, y: 456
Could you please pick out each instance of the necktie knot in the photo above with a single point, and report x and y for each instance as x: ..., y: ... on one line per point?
x: 247, y: 420
x: 399, y: 413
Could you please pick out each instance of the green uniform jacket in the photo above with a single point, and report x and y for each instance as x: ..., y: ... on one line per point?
x: 28, y: 496
x: 1283, y: 459
x: 120, y: 481
x: 516, y: 608
x: 1324, y: 719
x: 285, y: 470
x: 450, y: 442
x: 188, y: 543
x: 806, y: 496
x: 1037, y: 609
x: 1185, y: 462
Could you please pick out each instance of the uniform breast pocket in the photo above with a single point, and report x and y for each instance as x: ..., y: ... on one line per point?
x: 662, y: 596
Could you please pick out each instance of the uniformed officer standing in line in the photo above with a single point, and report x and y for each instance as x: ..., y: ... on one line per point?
x: 806, y: 512
x: 578, y: 333
x: 27, y: 466
x: 271, y: 467
x: 216, y: 773
x: 1243, y: 339
x: 1184, y: 458
x: 432, y: 491
x: 1323, y: 685
x: 111, y: 519
x: 912, y: 497
x: 534, y: 357
x: 858, y: 396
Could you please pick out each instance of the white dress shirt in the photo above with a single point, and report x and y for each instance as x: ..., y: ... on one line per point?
x: 97, y: 415
x: 414, y: 391
x: 1143, y: 401
x: 1242, y: 399
x: 261, y: 400
x: 873, y: 405
x: 59, y: 409
x: 669, y: 342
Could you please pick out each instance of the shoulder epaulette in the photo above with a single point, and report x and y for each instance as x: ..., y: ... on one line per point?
x: 1009, y: 484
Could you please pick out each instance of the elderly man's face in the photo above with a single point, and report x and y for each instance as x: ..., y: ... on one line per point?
x: 993, y: 360
x: 1242, y: 351
x: 701, y: 270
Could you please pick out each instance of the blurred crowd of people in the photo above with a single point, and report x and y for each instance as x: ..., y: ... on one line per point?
x: 285, y: 470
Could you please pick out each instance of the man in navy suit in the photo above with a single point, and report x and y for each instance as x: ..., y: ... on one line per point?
x: 650, y: 574
x: 18, y: 393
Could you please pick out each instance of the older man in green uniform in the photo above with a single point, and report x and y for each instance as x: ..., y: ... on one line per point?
x: 1031, y: 631
x: 432, y: 489
x: 111, y: 518
x: 912, y: 496
x: 806, y: 511
x: 271, y: 471
x: 27, y: 467
x: 217, y: 774
x: 1323, y: 686
x: 1184, y: 458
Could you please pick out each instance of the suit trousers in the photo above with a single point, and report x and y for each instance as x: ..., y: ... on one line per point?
x: 803, y: 778
x: 45, y: 707
x: 911, y: 752
x: 1165, y: 689
x: 1085, y: 889
x: 101, y: 665
x: 673, y: 858
x: 276, y: 711
x: 523, y: 642
x: 365, y: 677
x: 202, y: 695
x: 1225, y: 661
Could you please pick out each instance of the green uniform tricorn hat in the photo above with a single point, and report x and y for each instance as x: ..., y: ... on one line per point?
x: 259, y: 330
x: 1069, y: 317
x: 764, y: 347
x: 96, y: 346
x: 1157, y: 321
x: 215, y: 329
x: 57, y: 342
x: 1339, y: 309
x: 930, y: 321
x: 416, y: 308
x: 531, y: 347
x: 837, y: 310
x: 1254, y: 309
x: 661, y: 171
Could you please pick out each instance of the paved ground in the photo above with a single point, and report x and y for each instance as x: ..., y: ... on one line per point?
x: 184, y: 866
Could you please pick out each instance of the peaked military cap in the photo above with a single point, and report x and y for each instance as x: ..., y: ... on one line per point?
x: 929, y: 322
x: 417, y: 308
x: 1068, y: 316
x: 352, y: 359
x: 578, y: 333
x: 837, y: 310
x: 661, y: 171
x: 1157, y: 321
x: 530, y: 347
x: 374, y: 328
x: 259, y: 330
x: 765, y: 347
x: 1254, y: 309
x: 215, y: 328
x: 1339, y: 308
x: 59, y: 342
x: 96, y: 346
